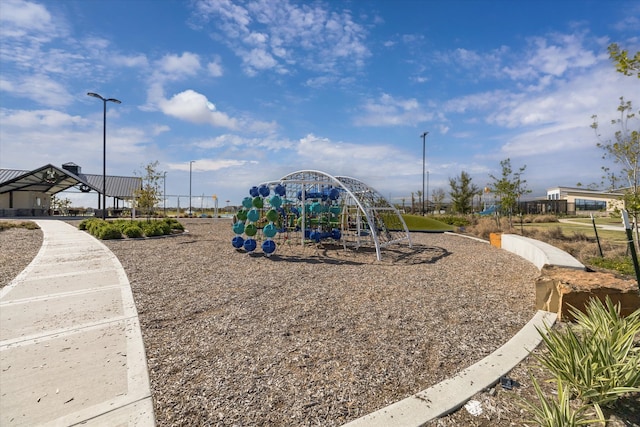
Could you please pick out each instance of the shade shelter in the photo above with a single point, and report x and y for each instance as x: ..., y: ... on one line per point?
x: 28, y: 193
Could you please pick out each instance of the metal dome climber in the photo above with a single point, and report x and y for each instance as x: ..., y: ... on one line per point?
x: 320, y: 206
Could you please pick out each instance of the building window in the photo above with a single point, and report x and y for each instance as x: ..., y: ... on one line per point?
x: 590, y: 205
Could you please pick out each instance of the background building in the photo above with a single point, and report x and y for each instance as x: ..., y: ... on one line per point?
x: 582, y: 200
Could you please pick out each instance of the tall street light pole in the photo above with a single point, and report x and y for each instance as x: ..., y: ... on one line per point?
x: 164, y: 194
x: 428, y: 192
x: 190, y: 170
x: 104, y: 148
x: 424, y: 139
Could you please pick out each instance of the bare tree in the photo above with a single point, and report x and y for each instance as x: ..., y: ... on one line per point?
x: 624, y: 151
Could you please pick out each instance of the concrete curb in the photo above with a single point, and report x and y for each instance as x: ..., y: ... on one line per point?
x: 449, y: 395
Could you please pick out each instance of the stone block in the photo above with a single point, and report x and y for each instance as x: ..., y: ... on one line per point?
x: 558, y: 289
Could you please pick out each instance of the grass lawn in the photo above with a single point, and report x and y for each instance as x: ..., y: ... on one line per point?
x: 427, y: 224
x: 569, y: 229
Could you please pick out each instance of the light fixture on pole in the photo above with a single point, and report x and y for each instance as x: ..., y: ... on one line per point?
x: 104, y: 147
x: 190, y: 170
x: 424, y: 138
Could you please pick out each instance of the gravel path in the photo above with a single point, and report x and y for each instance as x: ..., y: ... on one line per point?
x: 314, y: 335
x: 18, y: 247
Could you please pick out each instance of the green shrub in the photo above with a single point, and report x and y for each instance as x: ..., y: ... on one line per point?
x: 166, y: 228
x: 93, y: 227
x: 133, y: 231
x: 598, y: 360
x: 174, y: 224
x: 89, y: 224
x: 152, y: 228
x: 108, y: 231
x: 122, y: 223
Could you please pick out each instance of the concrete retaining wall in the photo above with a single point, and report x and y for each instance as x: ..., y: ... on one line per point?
x: 539, y: 253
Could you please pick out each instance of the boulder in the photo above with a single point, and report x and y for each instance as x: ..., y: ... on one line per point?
x: 558, y: 289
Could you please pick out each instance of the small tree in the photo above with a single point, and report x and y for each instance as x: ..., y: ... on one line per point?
x: 148, y: 197
x: 462, y: 192
x: 509, y: 187
x: 421, y: 201
x: 624, y: 151
x: 60, y: 204
x: 438, y: 196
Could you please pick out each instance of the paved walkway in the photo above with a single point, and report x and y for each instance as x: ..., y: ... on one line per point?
x: 71, y: 349
x: 599, y: 226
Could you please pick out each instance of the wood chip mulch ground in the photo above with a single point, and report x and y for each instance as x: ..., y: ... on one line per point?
x: 314, y: 335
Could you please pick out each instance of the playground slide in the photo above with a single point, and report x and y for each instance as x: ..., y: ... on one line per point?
x: 488, y: 211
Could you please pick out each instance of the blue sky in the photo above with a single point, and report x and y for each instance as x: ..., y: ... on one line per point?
x: 253, y: 90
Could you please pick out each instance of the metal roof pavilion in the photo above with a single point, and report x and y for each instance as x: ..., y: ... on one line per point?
x: 50, y: 179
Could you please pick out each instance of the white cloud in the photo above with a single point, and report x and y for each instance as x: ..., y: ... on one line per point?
x: 75, y: 138
x: 20, y: 18
x: 549, y: 140
x: 192, y: 107
x: 258, y: 59
x: 40, y: 89
x: 177, y: 67
x: 568, y: 101
x: 132, y: 61
x: 629, y: 22
x: 474, y: 65
x: 207, y: 165
x: 45, y: 63
x: 238, y: 143
x: 554, y: 55
x: 215, y: 69
x: 560, y: 54
x: 276, y: 36
x: 390, y: 111
x: 160, y: 129
x: 323, y: 148
x: 31, y: 120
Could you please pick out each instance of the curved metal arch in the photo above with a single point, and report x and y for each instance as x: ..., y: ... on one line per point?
x: 368, y: 201
x: 378, y: 201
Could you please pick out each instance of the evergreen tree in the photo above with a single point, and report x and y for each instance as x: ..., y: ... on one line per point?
x: 462, y: 192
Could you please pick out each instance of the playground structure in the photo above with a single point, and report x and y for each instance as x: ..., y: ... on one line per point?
x: 312, y: 206
x: 489, y: 209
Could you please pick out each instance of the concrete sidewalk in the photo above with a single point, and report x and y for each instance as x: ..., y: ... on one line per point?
x: 599, y: 226
x: 71, y: 349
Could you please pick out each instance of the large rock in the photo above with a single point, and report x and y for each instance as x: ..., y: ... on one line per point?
x: 558, y: 289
